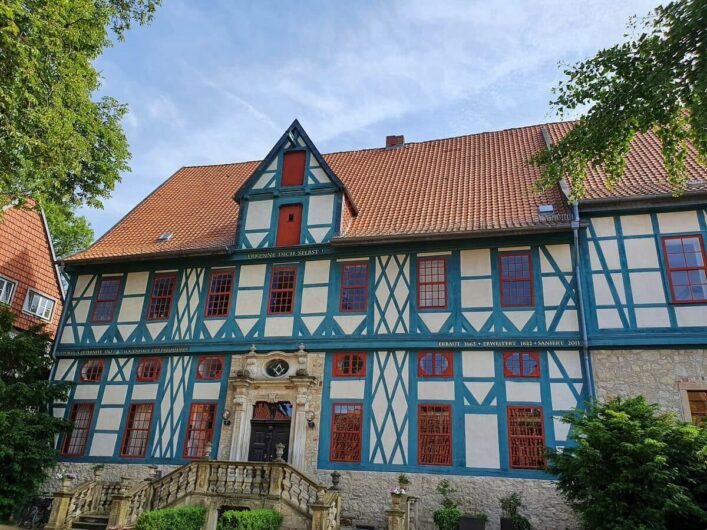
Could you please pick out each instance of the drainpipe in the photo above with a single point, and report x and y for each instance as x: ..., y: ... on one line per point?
x: 580, y: 295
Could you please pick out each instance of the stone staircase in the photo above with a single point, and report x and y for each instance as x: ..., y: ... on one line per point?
x: 99, y: 505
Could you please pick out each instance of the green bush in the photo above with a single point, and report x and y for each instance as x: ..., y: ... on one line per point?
x: 447, y: 517
x: 186, y: 518
x: 250, y: 520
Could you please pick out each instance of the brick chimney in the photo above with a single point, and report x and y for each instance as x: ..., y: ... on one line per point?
x: 394, y: 141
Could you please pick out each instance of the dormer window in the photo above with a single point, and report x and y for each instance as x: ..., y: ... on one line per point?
x: 293, y: 163
x: 289, y: 225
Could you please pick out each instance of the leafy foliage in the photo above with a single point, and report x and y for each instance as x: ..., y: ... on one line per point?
x: 70, y: 232
x: 184, y: 518
x: 27, y: 427
x: 250, y: 520
x: 447, y: 517
x: 57, y: 143
x: 655, y: 82
x: 634, y: 468
x: 510, y: 507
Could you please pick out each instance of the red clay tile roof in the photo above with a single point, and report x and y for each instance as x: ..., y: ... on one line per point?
x: 475, y: 183
x: 27, y: 259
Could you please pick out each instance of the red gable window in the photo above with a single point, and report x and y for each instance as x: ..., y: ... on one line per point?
x: 521, y: 364
x: 432, y: 283
x: 526, y: 437
x: 137, y: 431
x: 293, y: 168
x: 516, y: 279
x: 106, y: 301
x: 350, y: 365
x: 92, y: 370
x: 200, y: 430
x: 687, y: 273
x: 434, y: 425
x: 354, y: 287
x: 346, y: 432
x: 282, y: 290
x: 219, y: 299
x: 435, y: 364
x: 75, y: 441
x: 149, y: 370
x: 210, y: 368
x: 161, y: 297
x: 289, y: 225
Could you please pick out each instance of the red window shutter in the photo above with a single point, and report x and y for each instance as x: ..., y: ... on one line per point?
x: 434, y: 423
x: 346, y: 429
x: 526, y: 437
x: 289, y: 225
x: 293, y: 168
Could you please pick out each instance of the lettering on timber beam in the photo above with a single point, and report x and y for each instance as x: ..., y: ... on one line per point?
x: 126, y: 351
x: 511, y: 343
x: 294, y: 253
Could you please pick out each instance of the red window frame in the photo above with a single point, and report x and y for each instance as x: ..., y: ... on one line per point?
x: 344, y: 364
x: 212, y: 369
x: 504, y: 279
x: 95, y: 376
x: 293, y: 168
x: 149, y: 370
x: 281, y: 290
x: 360, y: 303
x: 218, y: 302
x: 103, y: 300
x: 138, y: 426
x: 434, y: 442
x: 76, y: 446
x: 438, y: 370
x: 346, y: 438
x: 524, y: 358
x: 436, y: 283
x: 204, y: 429
x: 687, y: 269
x: 161, y: 298
x: 526, y: 442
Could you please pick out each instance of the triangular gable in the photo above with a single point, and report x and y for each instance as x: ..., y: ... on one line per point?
x: 289, y: 139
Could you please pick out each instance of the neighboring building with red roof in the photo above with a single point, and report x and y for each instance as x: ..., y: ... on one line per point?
x: 29, y: 278
x: 416, y: 308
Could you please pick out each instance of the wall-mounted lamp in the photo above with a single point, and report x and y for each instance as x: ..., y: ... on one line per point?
x: 226, y: 417
x: 309, y: 416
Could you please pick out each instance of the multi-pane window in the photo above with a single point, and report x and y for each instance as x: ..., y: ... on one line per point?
x: 521, y: 364
x: 39, y: 305
x: 209, y: 368
x: 149, y: 370
x: 698, y: 406
x: 434, y: 425
x: 432, y: 283
x: 219, y: 299
x: 107, y: 300
x: 526, y: 437
x: 7, y: 288
x: 161, y: 297
x: 92, y: 370
x: 354, y: 287
x: 516, y: 279
x: 75, y: 441
x: 687, y: 271
x: 350, y: 365
x: 434, y: 364
x: 293, y: 164
x: 200, y: 429
x: 346, y: 424
x: 282, y: 290
x: 137, y: 430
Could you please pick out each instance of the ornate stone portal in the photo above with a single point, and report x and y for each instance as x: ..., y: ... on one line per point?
x: 271, y: 377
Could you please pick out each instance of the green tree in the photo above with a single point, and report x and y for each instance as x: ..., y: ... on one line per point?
x: 70, y: 232
x: 27, y: 427
x: 656, y: 81
x: 58, y: 142
x: 633, y: 468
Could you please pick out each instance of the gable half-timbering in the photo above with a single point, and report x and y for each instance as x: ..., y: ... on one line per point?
x: 292, y: 198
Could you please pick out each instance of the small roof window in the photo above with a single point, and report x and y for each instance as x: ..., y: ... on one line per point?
x: 165, y: 236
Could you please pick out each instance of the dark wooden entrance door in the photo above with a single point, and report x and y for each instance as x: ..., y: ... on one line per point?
x: 264, y: 437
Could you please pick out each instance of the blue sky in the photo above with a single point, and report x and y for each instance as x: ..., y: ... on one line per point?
x: 218, y: 81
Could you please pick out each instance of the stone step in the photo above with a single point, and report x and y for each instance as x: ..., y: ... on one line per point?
x: 91, y: 522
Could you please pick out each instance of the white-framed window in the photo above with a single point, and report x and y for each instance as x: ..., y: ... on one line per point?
x: 7, y: 290
x: 39, y: 305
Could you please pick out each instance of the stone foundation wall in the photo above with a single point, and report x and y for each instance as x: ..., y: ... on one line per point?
x: 366, y: 497
x: 655, y: 374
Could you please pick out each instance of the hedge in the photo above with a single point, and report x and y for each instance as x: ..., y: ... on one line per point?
x: 185, y: 518
x: 250, y: 520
